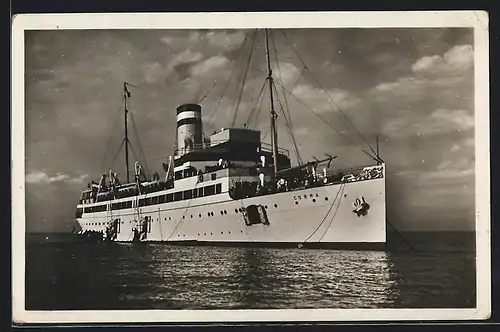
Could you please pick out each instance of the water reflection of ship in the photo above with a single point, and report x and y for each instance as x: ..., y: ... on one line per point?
x: 271, y: 279
x: 255, y: 279
x: 231, y: 188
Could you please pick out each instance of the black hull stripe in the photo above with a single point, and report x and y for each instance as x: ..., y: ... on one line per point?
x: 371, y: 246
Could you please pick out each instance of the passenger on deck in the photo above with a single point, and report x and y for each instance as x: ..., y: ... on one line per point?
x: 281, y: 184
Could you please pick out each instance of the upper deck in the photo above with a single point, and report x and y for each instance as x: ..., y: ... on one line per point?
x: 231, y: 144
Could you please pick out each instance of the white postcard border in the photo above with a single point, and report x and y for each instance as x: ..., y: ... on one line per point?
x: 474, y: 19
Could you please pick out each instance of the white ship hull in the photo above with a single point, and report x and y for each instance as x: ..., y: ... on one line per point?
x: 322, y: 216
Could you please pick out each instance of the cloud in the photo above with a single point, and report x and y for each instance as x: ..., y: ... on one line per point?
x: 444, y: 164
x: 441, y: 121
x: 460, y: 56
x: 320, y: 101
x: 287, y: 72
x: 40, y: 177
x: 443, y: 79
x: 208, y: 65
x: 449, y: 171
x: 457, y: 58
x: 185, y: 57
x: 152, y: 72
x: 462, y: 119
x: 426, y: 63
x: 218, y: 41
x: 332, y: 68
x: 443, y: 179
x: 455, y: 147
x: 226, y: 40
x: 167, y: 40
x: 181, y: 39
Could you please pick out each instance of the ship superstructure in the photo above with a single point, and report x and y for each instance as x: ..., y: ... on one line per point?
x: 231, y: 188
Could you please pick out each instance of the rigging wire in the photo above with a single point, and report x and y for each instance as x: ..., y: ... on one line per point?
x: 342, y: 187
x: 244, y: 79
x: 329, y: 97
x: 135, y: 156
x: 287, y: 95
x: 288, y: 127
x: 226, y: 85
x: 326, y: 122
x: 117, y: 153
x: 259, y: 109
x: 208, y: 92
x: 326, y: 215
x: 108, y: 145
x: 254, y: 106
x: 287, y: 112
x: 134, y: 127
x: 181, y: 220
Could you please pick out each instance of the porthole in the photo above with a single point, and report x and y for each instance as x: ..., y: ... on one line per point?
x: 275, y: 205
x: 222, y: 233
x: 204, y: 233
x: 225, y: 211
x: 311, y: 195
x: 184, y: 235
x: 305, y: 196
x: 265, y: 206
x: 314, y: 200
x: 296, y: 202
x: 210, y: 233
x: 169, y: 218
x: 241, y: 231
x: 199, y: 215
x: 208, y: 214
x: 165, y: 218
x: 345, y: 195
x: 198, y: 234
x: 236, y: 210
x: 178, y: 235
x: 326, y: 198
x: 191, y: 216
x: 222, y: 212
x: 229, y: 232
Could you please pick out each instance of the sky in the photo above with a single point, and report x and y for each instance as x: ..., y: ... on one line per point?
x: 411, y: 88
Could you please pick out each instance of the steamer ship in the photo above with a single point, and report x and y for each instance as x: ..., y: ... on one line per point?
x: 233, y: 189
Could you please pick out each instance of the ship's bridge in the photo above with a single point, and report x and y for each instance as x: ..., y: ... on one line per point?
x: 234, y: 145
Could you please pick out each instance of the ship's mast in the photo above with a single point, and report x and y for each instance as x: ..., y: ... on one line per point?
x: 126, y: 95
x: 274, y: 134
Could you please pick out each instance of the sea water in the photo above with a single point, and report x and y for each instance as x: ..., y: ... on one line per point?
x: 418, y: 270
